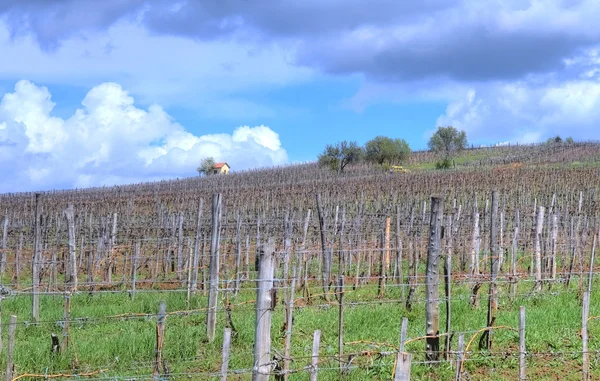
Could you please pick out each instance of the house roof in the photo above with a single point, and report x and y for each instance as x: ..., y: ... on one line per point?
x: 220, y: 165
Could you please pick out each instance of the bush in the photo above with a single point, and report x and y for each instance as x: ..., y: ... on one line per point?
x: 443, y: 164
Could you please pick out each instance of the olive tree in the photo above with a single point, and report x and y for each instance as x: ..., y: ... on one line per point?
x: 448, y: 141
x: 382, y: 150
x: 339, y: 155
x: 206, y: 166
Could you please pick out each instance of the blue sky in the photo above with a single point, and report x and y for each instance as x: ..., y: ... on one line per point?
x: 120, y: 91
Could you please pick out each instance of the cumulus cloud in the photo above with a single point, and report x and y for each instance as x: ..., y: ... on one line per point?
x: 527, y: 112
x: 111, y: 141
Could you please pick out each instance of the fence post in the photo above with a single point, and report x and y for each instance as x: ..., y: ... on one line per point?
x: 314, y: 364
x: 66, y: 320
x: 584, y: 335
x: 71, y: 271
x: 160, y: 338
x: 399, y: 356
x: 226, y: 345
x: 403, y: 367
x: 539, y: 225
x: 522, y: 363
x: 211, y: 317
x: 288, y: 325
x: 432, y: 280
x: 35, y: 309
x: 136, y: 254
x: 460, y: 357
x: 340, y: 298
x: 494, y: 261
x: 197, y: 243
x: 264, y: 306
x: 11, y: 347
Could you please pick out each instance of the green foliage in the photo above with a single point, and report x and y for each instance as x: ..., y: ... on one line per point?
x: 206, y: 167
x: 569, y: 140
x: 448, y: 140
x: 556, y: 139
x: 382, y: 150
x: 338, y: 156
x: 445, y: 163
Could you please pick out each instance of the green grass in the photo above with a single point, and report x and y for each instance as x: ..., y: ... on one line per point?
x: 125, y: 346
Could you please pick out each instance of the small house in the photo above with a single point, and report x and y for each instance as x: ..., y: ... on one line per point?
x: 221, y: 168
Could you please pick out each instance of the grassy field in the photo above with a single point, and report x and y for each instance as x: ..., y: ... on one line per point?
x: 109, y: 331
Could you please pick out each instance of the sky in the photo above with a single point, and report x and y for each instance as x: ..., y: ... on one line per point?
x: 123, y: 91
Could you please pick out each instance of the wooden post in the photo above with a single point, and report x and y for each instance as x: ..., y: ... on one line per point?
x: 288, y: 325
x: 538, y: 248
x: 4, y: 236
x: 35, y: 263
x: 403, y: 367
x: 340, y: 297
x: 66, y: 323
x: 136, y: 255
x: 584, y: 335
x: 238, y: 253
x: 494, y: 261
x: 264, y: 306
x: 226, y: 345
x: 522, y: 353
x: 474, y: 261
x: 554, y: 237
x: 211, y: 317
x: 180, y: 247
x: 382, y: 266
x: 314, y: 363
x: 197, y: 243
x: 71, y: 272
x: 460, y: 355
x: 386, y: 245
x: 591, y: 271
x: 11, y: 348
x: 447, y: 284
x: 400, y: 355
x: 160, y: 338
x: 190, y: 264
x: 432, y: 313
x: 515, y: 246
x: 324, y: 252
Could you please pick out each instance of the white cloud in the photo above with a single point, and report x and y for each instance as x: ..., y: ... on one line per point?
x: 111, y: 141
x: 527, y: 111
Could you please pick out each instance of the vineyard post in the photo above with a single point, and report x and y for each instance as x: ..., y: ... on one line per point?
x: 386, y: 245
x: 66, y: 322
x: 264, y: 305
x: 303, y: 248
x: 382, y: 265
x: 340, y: 297
x: 211, y: 317
x: 160, y: 338
x: 287, y: 243
x: 432, y: 280
x: 514, y: 251
x: 522, y: 353
x: 11, y: 348
x: 584, y: 335
x: 71, y: 273
x: 136, y: 255
x: 18, y: 258
x: 493, y: 287
x: 554, y: 237
x: 288, y: 324
x: 538, y: 248
x: 447, y: 283
x: 189, y: 276
x: 238, y: 253
x: 403, y: 367
x: 591, y: 271
x: 314, y: 363
x: 474, y: 262
x: 197, y: 242
x: 324, y: 252
x: 460, y: 354
x: 226, y: 345
x: 180, y: 247
x: 403, y: 330
x: 4, y: 236
x: 399, y: 273
x: 36, y: 260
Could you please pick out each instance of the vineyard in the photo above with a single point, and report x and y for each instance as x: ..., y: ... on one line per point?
x: 481, y: 272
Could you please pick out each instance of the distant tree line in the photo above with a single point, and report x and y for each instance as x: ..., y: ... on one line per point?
x: 385, y: 151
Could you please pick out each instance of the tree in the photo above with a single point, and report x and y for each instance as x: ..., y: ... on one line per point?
x: 206, y: 166
x: 386, y: 150
x: 447, y: 141
x: 339, y: 155
x: 569, y: 140
x: 556, y: 139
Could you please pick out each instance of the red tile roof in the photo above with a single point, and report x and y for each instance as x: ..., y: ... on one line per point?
x: 220, y: 165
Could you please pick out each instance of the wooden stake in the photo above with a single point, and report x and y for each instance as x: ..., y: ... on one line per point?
x: 494, y: 261
x: 432, y: 279
x: 288, y: 325
x: 226, y: 345
x: 314, y: 364
x: 11, y: 348
x: 211, y: 317
x: 262, y: 340
x: 460, y: 355
x: 522, y: 353
x: 538, y: 248
x: 66, y: 323
x: 160, y: 338
x: 584, y: 335
x: 35, y: 263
